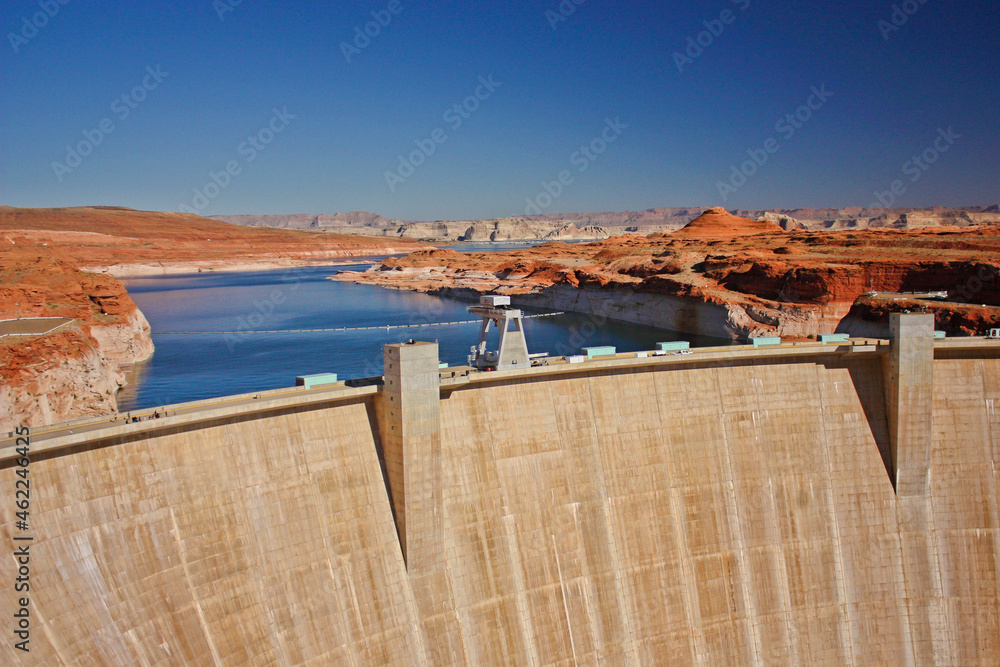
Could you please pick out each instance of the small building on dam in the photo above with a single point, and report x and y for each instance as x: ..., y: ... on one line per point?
x: 828, y: 503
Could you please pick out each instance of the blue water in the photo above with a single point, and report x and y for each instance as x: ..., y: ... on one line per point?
x: 194, y: 367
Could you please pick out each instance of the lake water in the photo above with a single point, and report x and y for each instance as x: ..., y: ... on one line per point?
x: 194, y: 367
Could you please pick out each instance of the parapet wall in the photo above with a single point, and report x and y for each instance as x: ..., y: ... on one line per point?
x: 732, y: 511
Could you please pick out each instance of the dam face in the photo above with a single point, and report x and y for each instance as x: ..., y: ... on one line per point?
x: 749, y: 507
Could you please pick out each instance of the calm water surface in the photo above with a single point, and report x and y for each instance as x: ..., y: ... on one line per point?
x: 193, y: 367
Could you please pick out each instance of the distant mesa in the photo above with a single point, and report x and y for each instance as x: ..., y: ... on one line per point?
x: 599, y: 226
x: 718, y: 223
x: 125, y: 242
x: 785, y: 222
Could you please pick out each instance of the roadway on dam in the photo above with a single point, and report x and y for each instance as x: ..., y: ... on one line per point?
x: 163, y: 416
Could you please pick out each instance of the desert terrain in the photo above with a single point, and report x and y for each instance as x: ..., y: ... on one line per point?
x: 730, y: 276
x: 596, y: 226
x: 721, y: 275
x: 66, y: 263
x: 126, y: 243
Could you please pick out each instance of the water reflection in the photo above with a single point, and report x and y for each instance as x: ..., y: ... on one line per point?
x: 198, y: 366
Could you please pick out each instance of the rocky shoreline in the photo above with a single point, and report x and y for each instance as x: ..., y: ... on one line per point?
x: 76, y: 373
x: 152, y: 269
x: 720, y: 276
x: 686, y: 314
x: 729, y: 277
x: 703, y: 317
x: 67, y: 262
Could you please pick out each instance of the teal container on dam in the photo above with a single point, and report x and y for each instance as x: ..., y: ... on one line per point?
x: 310, y: 381
x: 602, y: 351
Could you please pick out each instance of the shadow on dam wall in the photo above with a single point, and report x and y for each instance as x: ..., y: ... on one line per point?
x: 727, y: 511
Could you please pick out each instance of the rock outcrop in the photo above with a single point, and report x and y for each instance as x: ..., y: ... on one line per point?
x: 601, y: 225
x: 76, y: 370
x: 718, y: 223
x: 520, y: 229
x: 125, y: 342
x: 571, y: 232
x: 124, y: 242
x: 44, y: 257
x: 65, y: 376
x: 724, y: 275
x: 783, y: 221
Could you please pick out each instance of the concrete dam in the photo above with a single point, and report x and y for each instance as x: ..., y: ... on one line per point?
x: 796, y: 505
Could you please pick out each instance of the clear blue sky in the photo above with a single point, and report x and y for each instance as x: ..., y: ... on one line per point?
x: 891, y: 93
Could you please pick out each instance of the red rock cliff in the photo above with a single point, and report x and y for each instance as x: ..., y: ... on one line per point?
x: 723, y: 275
x: 75, y: 371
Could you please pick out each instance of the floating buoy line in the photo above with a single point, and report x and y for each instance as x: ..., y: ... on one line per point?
x: 387, y: 327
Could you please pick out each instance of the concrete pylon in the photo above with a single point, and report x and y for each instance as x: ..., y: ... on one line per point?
x: 910, y: 399
x: 411, y: 442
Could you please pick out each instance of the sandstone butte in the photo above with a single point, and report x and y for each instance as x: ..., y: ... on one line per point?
x: 733, y: 277
x: 62, y: 262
